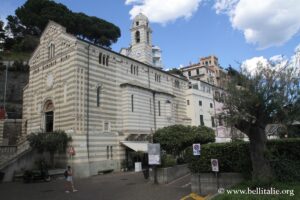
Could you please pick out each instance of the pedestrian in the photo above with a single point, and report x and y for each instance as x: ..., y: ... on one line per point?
x: 69, y: 180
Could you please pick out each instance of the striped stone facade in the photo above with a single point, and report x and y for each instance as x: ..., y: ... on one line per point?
x: 99, y: 97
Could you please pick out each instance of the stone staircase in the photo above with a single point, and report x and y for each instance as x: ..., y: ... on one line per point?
x: 9, y: 154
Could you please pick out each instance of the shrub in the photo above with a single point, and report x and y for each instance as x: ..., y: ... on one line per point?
x: 51, y: 142
x: 283, y: 154
x: 174, y: 139
x: 167, y: 160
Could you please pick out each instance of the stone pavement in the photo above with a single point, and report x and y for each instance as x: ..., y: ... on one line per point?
x: 123, y: 186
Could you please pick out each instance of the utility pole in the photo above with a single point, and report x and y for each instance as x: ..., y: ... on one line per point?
x: 5, y: 85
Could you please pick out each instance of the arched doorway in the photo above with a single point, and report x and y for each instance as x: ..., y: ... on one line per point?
x: 49, y: 116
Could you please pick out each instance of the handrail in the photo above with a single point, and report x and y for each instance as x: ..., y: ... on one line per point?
x: 8, y: 149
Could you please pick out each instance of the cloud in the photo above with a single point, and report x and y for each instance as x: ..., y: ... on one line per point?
x: 252, y: 65
x: 265, y: 23
x: 277, y: 62
x: 163, y: 11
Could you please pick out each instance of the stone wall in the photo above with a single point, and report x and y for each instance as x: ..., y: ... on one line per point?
x: 167, y: 175
x: 208, y: 183
x: 25, y: 161
x: 12, y: 128
x: 16, y: 81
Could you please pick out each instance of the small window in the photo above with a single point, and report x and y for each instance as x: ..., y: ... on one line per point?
x: 51, y: 51
x: 200, y: 103
x: 132, y: 103
x: 201, y: 120
x: 211, y: 105
x: 111, y: 152
x: 190, y: 74
x: 100, y: 58
x: 157, y: 77
x: 137, y: 23
x: 187, y: 102
x: 98, y: 95
x: 107, y: 152
x: 103, y: 60
x: 159, y: 108
x: 213, y: 122
x: 137, y: 37
x: 197, y: 70
x: 148, y: 37
x: 177, y: 83
x: 106, y: 126
x: 150, y: 105
x: 107, y: 59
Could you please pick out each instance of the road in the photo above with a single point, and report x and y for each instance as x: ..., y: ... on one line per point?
x: 123, y: 186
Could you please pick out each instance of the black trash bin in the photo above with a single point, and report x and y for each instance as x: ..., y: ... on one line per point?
x: 146, y: 173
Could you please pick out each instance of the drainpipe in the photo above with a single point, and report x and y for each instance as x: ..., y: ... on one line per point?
x: 88, y: 110
x: 154, y: 113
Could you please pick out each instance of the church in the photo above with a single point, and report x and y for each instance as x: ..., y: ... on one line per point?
x: 108, y: 102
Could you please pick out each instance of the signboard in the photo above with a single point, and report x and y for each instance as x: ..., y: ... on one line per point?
x: 196, y: 149
x: 71, y: 151
x: 154, y: 154
x: 214, y: 165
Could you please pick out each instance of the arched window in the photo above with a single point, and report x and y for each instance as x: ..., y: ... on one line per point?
x: 148, y: 37
x: 103, y: 60
x: 107, y: 58
x: 137, y: 37
x: 132, y: 108
x: 100, y: 58
x: 98, y: 95
x: 51, y: 51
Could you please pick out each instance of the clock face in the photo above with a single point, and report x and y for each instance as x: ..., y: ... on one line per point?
x: 49, y: 81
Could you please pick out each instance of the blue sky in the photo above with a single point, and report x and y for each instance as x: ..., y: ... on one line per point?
x: 233, y: 30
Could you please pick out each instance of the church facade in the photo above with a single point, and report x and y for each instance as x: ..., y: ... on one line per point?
x: 99, y: 97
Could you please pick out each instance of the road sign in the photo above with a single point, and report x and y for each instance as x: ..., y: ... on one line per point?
x: 196, y: 149
x: 154, y: 154
x: 214, y: 165
x: 71, y: 151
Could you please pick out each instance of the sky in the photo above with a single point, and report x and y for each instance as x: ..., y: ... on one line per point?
x: 235, y: 31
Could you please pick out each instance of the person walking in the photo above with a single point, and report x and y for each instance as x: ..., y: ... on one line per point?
x: 69, y: 180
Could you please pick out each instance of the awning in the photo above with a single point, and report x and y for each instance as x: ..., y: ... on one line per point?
x: 136, y: 145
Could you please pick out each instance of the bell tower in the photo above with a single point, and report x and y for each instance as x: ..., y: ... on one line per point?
x: 141, y: 40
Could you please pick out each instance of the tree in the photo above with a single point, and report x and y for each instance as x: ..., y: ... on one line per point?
x: 174, y: 139
x: 269, y: 95
x: 52, y: 142
x: 35, y: 15
x: 30, y: 20
x: 176, y: 71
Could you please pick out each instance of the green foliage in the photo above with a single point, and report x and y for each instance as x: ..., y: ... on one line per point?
x: 283, y: 155
x: 52, y: 142
x: 167, y: 160
x: 176, y: 71
x: 174, y: 139
x: 233, y: 157
x: 255, y: 100
x: 32, y: 18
